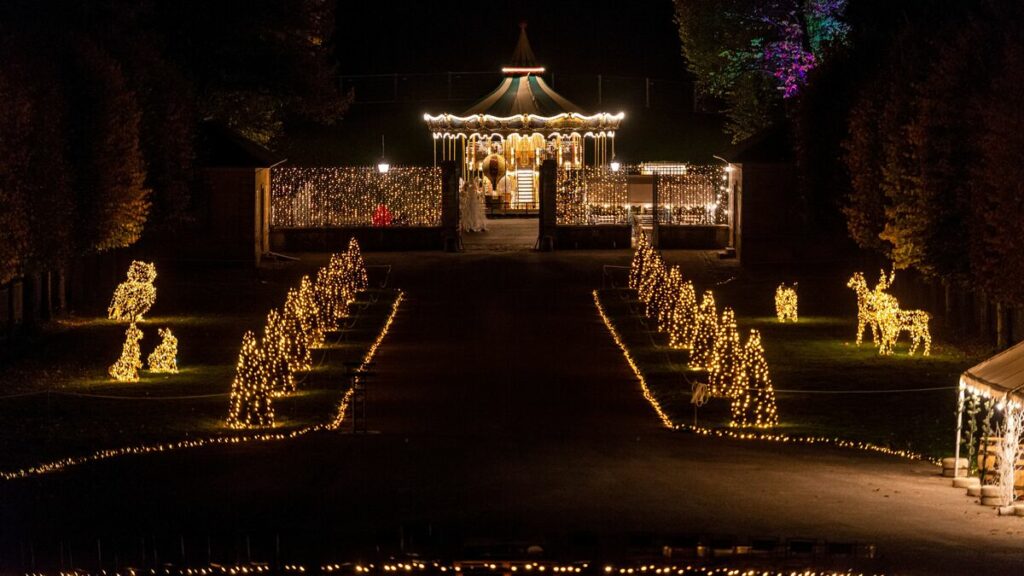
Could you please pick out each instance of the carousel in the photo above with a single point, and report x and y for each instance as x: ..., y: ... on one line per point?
x: 502, y: 139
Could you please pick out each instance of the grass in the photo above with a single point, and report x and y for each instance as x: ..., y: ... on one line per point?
x: 61, y: 373
x: 826, y: 386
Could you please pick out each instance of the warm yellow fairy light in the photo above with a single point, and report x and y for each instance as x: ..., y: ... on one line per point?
x: 251, y: 405
x: 126, y: 368
x: 165, y: 356
x: 684, y: 317
x: 275, y: 347
x: 754, y: 404
x: 668, y: 296
x: 333, y: 424
x: 295, y: 328
x: 881, y: 312
x: 135, y: 296
x: 786, y: 303
x: 726, y: 358
x: 734, y: 433
x: 304, y: 197
x: 640, y: 259
x: 593, y: 195
x: 355, y: 256
x: 705, y: 330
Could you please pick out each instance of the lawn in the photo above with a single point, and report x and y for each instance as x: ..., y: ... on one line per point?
x: 825, y: 384
x: 58, y: 402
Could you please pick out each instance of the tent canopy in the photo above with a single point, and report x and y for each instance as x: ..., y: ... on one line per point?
x: 523, y: 94
x: 999, y: 376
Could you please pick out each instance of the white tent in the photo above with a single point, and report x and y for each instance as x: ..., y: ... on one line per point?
x: 1000, y: 377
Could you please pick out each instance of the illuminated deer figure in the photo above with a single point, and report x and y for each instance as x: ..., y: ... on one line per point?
x: 893, y: 321
x: 869, y: 302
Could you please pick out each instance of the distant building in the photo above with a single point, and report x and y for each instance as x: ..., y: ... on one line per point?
x: 233, y: 205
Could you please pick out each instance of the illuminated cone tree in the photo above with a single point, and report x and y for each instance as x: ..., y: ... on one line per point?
x: 667, y: 298
x: 250, y: 391
x: 126, y: 369
x: 355, y: 256
x: 165, y: 356
x: 705, y: 328
x: 754, y: 405
x: 684, y: 317
x: 275, y: 348
x: 311, y: 322
x: 294, y: 322
x: 726, y: 357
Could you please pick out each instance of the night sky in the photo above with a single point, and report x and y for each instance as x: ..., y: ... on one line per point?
x: 617, y: 38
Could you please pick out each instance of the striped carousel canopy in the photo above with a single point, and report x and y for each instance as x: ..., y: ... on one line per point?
x: 524, y: 104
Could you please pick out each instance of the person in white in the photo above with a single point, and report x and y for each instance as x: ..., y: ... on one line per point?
x: 471, y: 208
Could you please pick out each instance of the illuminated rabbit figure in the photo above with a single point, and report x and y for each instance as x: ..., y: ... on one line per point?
x: 135, y: 296
x: 165, y: 357
x: 126, y: 369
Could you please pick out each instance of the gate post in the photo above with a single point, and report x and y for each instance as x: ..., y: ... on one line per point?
x: 655, y: 211
x: 548, y: 221
x: 452, y: 240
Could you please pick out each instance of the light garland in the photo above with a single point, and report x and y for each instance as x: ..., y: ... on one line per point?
x: 251, y: 393
x: 786, y: 303
x: 735, y: 433
x: 491, y: 566
x: 164, y: 358
x: 126, y: 368
x: 754, y: 402
x: 136, y: 295
x: 704, y: 332
x: 334, y: 424
x: 639, y: 261
x: 350, y: 196
x: 725, y: 368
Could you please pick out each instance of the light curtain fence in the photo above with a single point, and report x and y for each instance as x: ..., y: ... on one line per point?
x: 354, y: 196
x: 694, y: 195
x: 592, y: 196
x: 698, y: 196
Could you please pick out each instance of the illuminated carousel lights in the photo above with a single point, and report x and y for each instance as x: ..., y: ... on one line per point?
x: 334, y: 424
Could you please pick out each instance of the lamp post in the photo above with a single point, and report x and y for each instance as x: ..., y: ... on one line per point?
x: 383, y: 166
x: 614, y: 164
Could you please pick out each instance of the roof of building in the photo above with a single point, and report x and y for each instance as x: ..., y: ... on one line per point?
x: 220, y: 146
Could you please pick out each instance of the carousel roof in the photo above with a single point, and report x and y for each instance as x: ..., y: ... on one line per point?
x: 523, y: 103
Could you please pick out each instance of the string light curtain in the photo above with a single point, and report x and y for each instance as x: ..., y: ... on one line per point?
x: 697, y: 195
x: 345, y: 196
x: 591, y: 196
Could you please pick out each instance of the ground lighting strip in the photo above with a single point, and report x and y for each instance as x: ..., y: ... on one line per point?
x: 736, y: 434
x: 334, y: 424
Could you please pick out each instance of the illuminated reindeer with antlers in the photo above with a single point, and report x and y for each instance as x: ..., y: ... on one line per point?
x: 882, y: 313
x: 870, y: 301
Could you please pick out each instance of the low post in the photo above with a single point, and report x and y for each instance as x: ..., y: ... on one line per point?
x: 655, y: 211
x: 450, y: 234
x: 548, y: 220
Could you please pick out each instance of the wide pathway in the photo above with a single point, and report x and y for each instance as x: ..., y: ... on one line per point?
x: 501, y: 410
